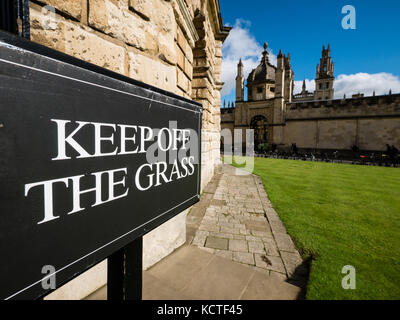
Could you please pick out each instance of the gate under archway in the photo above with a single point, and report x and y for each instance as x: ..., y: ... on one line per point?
x: 260, y: 126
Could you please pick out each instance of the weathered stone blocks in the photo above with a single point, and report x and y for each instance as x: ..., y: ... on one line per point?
x: 142, y: 7
x: 78, y: 41
x: 151, y: 71
x: 70, y: 7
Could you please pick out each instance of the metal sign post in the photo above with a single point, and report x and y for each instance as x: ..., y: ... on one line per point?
x: 125, y: 272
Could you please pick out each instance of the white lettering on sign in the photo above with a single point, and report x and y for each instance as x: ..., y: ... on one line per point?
x: 98, y: 139
x: 133, y: 140
x: 77, y: 192
x: 167, y: 139
x: 48, y: 196
x: 62, y: 140
x: 124, y: 139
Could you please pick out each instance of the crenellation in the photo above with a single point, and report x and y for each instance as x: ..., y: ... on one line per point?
x: 365, y: 104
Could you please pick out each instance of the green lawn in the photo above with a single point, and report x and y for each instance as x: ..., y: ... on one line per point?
x: 341, y: 215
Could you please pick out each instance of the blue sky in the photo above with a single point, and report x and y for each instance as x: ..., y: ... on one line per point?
x: 366, y: 59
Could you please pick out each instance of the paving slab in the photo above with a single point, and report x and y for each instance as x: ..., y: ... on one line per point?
x: 244, y: 257
x: 270, y: 263
x: 193, y: 274
x: 271, y: 288
x: 291, y: 260
x: 222, y: 279
x: 156, y: 289
x: 256, y: 247
x: 179, y: 268
x: 285, y: 242
x: 217, y: 243
x: 238, y: 245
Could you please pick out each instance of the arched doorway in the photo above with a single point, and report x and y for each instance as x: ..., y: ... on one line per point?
x: 260, y: 126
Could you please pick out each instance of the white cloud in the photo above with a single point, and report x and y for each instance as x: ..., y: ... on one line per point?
x: 240, y: 44
x: 365, y: 83
x: 298, y: 86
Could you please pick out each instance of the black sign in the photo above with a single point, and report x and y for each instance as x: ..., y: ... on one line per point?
x: 89, y: 161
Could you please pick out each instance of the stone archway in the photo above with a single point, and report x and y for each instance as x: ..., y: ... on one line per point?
x: 260, y: 126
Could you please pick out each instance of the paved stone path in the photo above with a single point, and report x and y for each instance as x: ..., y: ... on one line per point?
x: 235, y: 220
x: 237, y: 248
x: 193, y: 274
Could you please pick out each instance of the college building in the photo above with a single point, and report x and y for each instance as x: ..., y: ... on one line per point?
x: 311, y: 120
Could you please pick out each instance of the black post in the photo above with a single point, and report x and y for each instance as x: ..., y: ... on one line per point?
x: 14, y: 17
x: 8, y: 16
x: 124, y: 275
x: 115, y: 275
x: 25, y: 31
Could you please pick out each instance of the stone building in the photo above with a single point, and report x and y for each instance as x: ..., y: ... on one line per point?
x: 175, y: 45
x: 311, y: 120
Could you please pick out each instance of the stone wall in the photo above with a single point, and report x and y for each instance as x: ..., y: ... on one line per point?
x: 368, y: 134
x: 175, y: 45
x: 369, y: 122
x: 382, y: 106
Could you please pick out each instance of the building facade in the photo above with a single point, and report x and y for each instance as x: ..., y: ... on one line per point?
x: 311, y: 120
x: 175, y: 45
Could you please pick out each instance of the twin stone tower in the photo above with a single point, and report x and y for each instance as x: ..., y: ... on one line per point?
x: 268, y: 81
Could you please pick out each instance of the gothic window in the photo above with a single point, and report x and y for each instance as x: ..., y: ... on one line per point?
x: 327, y: 85
x: 320, y: 86
x: 259, y: 90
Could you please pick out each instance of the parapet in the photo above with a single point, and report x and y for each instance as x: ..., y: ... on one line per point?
x: 385, y: 105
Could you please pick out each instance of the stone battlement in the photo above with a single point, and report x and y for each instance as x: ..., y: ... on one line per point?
x: 359, y: 106
x: 302, y: 95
